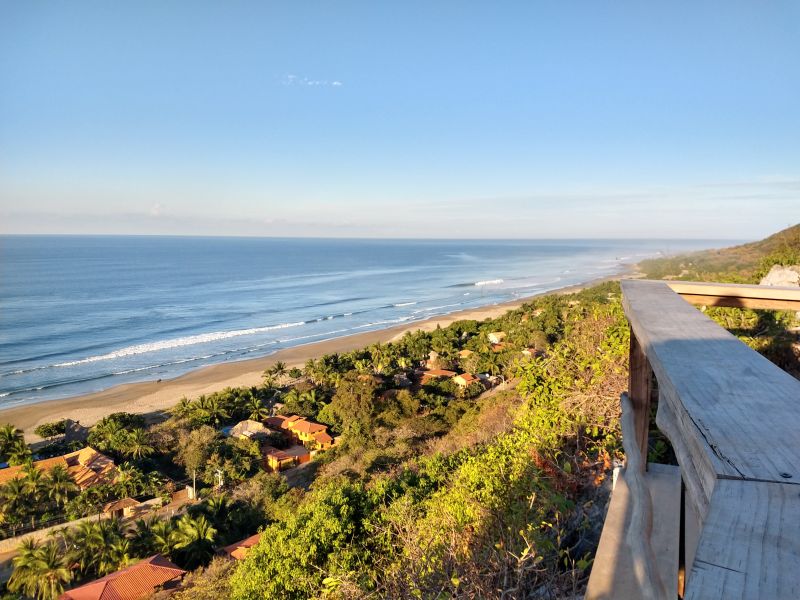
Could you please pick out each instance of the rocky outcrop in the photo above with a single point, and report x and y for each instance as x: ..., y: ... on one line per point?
x: 780, y: 275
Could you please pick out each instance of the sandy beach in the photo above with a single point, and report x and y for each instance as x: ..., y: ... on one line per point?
x: 153, y: 397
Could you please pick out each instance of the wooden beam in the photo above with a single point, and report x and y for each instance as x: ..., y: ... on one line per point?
x: 640, y: 383
x: 733, y: 419
x: 737, y: 295
x: 612, y: 576
x: 732, y: 405
x: 750, y: 544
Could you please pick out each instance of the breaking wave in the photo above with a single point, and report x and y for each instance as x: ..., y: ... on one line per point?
x: 191, y: 340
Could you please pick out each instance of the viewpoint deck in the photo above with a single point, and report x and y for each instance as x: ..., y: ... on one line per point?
x: 733, y: 419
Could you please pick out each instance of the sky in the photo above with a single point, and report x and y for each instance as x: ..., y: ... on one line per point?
x: 432, y: 119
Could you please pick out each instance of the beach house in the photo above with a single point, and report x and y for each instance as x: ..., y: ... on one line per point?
x: 313, y: 436
x: 136, y: 582
x: 86, y: 467
x: 238, y: 550
x: 433, y: 374
x: 248, y: 430
x: 464, y: 380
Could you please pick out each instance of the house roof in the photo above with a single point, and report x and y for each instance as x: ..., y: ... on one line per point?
x: 304, y: 426
x: 279, y: 455
x: 86, y: 467
x: 467, y: 378
x: 276, y: 422
x: 248, y: 427
x: 238, y: 550
x: 297, y: 451
x: 439, y: 373
x: 135, y: 582
x: 322, y: 437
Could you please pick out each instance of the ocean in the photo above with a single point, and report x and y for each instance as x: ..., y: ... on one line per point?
x: 83, y: 313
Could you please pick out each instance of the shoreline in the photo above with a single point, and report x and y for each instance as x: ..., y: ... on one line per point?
x: 154, y: 397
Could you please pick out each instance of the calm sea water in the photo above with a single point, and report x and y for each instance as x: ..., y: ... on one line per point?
x: 81, y: 314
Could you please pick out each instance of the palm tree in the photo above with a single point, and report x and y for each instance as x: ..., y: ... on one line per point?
x: 137, y: 444
x: 141, y: 536
x: 211, y: 410
x: 129, y: 480
x: 217, y: 508
x: 363, y: 367
x: 35, y: 481
x: 59, y: 485
x: 152, y: 482
x: 18, y: 452
x: 162, y: 537
x: 109, y: 551
x: 107, y: 434
x: 183, y: 408
x: 279, y: 369
x: 269, y: 379
x: 14, y: 500
x: 8, y: 436
x: 39, y: 571
x: 83, y: 546
x: 310, y: 397
x: 257, y: 410
x: 119, y: 554
x: 194, y: 539
x: 53, y: 572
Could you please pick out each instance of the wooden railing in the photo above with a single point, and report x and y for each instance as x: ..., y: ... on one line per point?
x: 733, y: 419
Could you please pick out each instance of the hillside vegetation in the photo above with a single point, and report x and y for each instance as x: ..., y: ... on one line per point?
x: 496, y: 497
x: 746, y: 263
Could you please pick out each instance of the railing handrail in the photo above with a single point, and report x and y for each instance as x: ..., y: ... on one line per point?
x: 733, y: 419
x: 737, y: 295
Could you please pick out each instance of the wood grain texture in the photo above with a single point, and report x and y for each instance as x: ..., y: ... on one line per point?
x: 612, y: 576
x: 732, y: 404
x: 749, y: 547
x: 640, y: 382
x: 733, y: 419
x: 640, y: 526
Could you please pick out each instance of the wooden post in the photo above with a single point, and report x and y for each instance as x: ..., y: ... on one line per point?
x: 640, y: 383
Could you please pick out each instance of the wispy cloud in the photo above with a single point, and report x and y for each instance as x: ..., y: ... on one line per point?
x: 298, y: 81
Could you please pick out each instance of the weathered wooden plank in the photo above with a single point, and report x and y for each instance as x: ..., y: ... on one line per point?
x: 738, y: 295
x: 612, y: 575
x: 732, y: 405
x: 749, y: 547
x: 697, y: 470
x: 691, y: 536
x: 639, y: 387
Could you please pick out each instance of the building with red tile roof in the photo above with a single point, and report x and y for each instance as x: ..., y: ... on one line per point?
x: 277, y: 460
x: 239, y: 550
x: 323, y: 439
x: 86, y: 467
x: 465, y: 380
x: 433, y: 374
x: 302, y: 430
x: 134, y: 583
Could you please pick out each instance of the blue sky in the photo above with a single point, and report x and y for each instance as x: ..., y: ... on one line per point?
x: 412, y: 119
